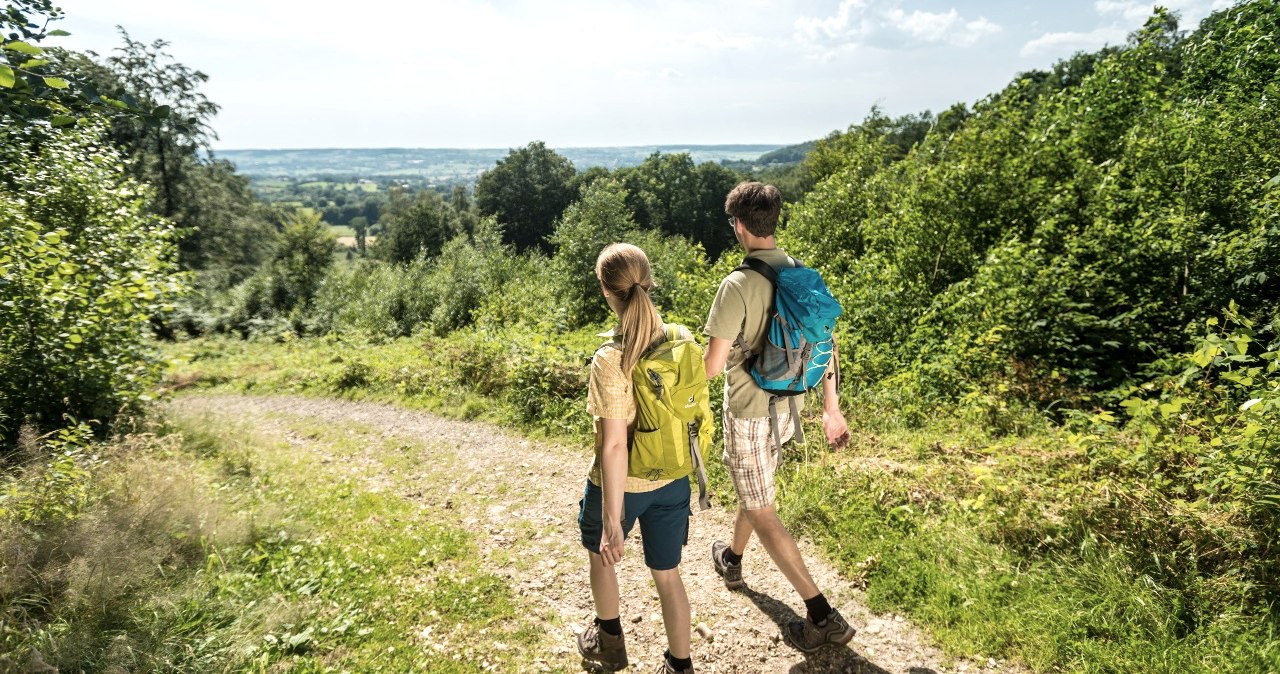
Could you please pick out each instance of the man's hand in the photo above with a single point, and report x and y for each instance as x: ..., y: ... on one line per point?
x: 611, y: 543
x: 836, y: 428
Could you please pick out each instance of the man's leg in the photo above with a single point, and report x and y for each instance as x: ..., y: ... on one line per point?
x: 675, y: 610
x: 782, y: 548
x: 742, y: 530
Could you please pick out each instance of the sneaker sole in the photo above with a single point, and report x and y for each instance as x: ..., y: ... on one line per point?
x: 593, y: 666
x: 598, y: 666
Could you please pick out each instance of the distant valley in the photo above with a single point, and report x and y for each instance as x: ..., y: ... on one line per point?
x: 444, y: 166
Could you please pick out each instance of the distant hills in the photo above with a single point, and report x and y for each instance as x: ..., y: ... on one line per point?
x: 443, y: 165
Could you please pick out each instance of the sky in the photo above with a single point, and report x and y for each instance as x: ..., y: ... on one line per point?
x: 581, y: 73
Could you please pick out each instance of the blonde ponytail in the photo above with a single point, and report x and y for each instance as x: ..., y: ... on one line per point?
x: 623, y: 270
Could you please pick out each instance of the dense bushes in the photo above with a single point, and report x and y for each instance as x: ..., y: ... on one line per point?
x: 1065, y: 233
x: 1192, y: 477
x: 83, y: 271
x: 1057, y: 262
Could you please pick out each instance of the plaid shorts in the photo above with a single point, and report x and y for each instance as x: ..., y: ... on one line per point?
x: 752, y: 456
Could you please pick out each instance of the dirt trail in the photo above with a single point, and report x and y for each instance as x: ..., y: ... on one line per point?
x: 533, y: 521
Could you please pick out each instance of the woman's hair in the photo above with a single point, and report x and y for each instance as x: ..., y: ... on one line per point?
x: 623, y: 269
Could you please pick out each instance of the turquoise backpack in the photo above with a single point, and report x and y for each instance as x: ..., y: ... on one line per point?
x: 798, y: 346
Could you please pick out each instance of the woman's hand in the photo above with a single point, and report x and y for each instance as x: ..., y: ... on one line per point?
x: 611, y: 543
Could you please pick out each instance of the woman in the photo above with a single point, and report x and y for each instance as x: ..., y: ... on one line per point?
x: 614, y: 500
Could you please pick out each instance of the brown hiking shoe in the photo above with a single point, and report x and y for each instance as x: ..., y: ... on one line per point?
x: 731, y: 573
x: 603, y: 649
x: 809, y: 637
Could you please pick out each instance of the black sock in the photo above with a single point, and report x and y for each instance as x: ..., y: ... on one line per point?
x: 612, y: 626
x: 731, y: 557
x: 679, y: 664
x: 818, y: 608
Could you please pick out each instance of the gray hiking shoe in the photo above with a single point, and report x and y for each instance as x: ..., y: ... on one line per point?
x: 664, y: 667
x: 809, y: 637
x: 603, y: 649
x: 731, y: 573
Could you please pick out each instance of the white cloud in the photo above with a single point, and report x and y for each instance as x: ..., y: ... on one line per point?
x: 647, y: 75
x: 948, y: 28
x: 1130, y: 10
x: 858, y: 22
x: 1070, y: 42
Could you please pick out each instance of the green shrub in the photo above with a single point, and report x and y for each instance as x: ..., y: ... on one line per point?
x: 83, y: 271
x: 373, y: 298
x: 1193, y: 473
x: 548, y: 388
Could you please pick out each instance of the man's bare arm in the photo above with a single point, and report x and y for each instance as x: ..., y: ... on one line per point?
x: 716, y: 356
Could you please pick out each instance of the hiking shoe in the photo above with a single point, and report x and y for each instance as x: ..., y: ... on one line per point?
x: 809, y: 637
x: 664, y: 667
x: 603, y: 649
x: 731, y: 573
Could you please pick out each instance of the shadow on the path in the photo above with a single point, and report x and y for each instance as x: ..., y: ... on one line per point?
x: 826, y: 659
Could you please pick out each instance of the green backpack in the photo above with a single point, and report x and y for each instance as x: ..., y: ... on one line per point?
x: 673, y: 413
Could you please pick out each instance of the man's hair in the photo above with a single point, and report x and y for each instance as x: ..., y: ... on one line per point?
x: 757, y: 205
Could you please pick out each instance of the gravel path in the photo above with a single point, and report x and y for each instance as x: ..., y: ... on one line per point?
x: 530, y: 530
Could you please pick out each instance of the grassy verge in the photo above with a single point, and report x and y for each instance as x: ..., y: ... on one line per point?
x: 210, y: 548
x: 524, y: 380
x: 951, y: 528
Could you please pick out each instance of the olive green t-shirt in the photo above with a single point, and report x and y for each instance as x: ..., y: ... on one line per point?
x: 741, y: 307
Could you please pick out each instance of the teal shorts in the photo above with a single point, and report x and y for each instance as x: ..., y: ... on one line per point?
x: 663, y: 515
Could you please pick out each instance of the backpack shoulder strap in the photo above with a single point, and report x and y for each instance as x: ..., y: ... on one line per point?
x: 760, y: 267
x: 670, y: 333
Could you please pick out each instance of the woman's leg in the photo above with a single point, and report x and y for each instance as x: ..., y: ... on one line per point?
x: 604, y: 587
x: 675, y: 609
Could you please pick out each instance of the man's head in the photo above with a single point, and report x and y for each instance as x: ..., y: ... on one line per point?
x: 756, y: 205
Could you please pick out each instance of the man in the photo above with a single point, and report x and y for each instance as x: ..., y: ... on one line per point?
x: 741, y: 312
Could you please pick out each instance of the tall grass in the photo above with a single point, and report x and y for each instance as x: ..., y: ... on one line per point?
x: 206, y: 547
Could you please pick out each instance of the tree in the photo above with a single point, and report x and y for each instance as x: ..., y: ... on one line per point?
x: 221, y: 228
x: 361, y: 226
x: 599, y: 218
x: 415, y: 227
x: 302, y: 256
x: 710, y: 228
x: 668, y: 193
x: 163, y: 153
x: 37, y: 84
x: 527, y: 191
x: 465, y: 218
